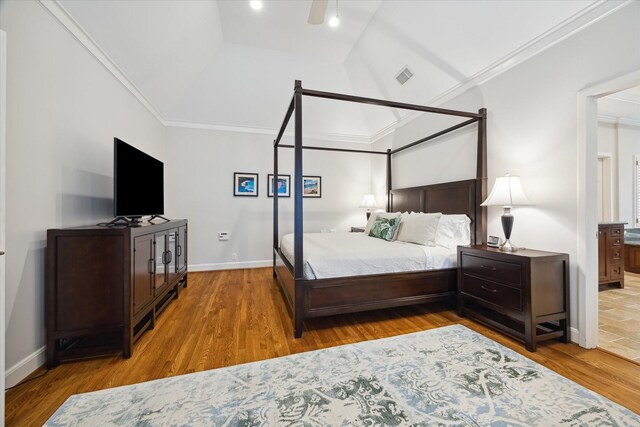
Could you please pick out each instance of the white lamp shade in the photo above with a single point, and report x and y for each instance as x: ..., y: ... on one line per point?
x: 368, y: 201
x: 507, y: 191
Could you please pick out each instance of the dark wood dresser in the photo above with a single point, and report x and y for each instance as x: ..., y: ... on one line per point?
x: 524, y: 294
x: 105, y: 285
x: 611, y: 254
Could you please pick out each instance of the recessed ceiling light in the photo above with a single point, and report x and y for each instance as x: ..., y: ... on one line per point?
x: 255, y: 4
x: 334, y: 21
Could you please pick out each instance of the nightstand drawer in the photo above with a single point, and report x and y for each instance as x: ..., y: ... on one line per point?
x: 492, y: 292
x: 492, y: 269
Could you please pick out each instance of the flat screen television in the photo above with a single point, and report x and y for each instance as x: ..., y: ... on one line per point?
x: 138, y: 182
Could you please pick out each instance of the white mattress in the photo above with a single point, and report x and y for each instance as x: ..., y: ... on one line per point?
x: 353, y: 254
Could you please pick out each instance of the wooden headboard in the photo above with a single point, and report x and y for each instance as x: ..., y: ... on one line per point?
x: 460, y: 197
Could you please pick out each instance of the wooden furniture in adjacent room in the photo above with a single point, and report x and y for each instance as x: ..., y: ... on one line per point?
x: 631, y: 258
x: 106, y: 285
x: 610, y: 254
x: 524, y: 294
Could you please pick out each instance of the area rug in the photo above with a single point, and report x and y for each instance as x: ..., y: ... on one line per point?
x: 449, y: 376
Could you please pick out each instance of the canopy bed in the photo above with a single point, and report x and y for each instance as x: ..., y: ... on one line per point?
x: 316, y: 297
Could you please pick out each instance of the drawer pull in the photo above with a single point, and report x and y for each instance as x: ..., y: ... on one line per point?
x: 488, y: 289
x: 488, y: 267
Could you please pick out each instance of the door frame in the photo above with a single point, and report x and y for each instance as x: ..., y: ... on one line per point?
x: 587, y: 230
x: 3, y: 151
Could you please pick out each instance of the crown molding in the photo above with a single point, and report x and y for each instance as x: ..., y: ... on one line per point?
x: 625, y: 97
x: 581, y: 20
x: 60, y: 13
x: 570, y: 26
x: 57, y: 10
x: 615, y: 120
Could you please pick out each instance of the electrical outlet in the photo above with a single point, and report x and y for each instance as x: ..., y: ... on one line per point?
x: 234, y: 256
x: 223, y: 236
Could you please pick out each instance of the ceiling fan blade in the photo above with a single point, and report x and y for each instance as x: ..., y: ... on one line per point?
x: 317, y: 12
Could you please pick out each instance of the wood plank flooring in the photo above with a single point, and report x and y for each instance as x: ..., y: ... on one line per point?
x: 229, y: 317
x: 619, y: 319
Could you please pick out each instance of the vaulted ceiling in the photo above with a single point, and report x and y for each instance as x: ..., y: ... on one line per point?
x: 221, y: 64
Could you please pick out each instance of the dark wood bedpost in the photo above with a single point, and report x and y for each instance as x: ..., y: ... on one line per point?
x: 388, y: 179
x: 275, y: 203
x: 481, y: 176
x: 298, y: 267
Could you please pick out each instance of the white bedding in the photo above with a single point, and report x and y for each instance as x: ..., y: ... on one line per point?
x: 354, y: 254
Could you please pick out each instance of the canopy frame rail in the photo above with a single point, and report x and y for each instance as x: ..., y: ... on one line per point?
x: 295, y: 110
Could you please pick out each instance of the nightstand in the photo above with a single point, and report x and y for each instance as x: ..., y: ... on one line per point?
x: 524, y: 294
x: 357, y: 229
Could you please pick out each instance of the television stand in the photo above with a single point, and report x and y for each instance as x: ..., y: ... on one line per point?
x: 106, y: 286
x: 158, y: 216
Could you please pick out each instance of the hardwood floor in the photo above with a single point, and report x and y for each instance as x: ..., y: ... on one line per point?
x: 619, y: 319
x: 229, y: 317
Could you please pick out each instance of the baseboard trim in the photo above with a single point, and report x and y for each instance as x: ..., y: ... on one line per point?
x: 25, y: 367
x: 574, y: 335
x: 230, y: 265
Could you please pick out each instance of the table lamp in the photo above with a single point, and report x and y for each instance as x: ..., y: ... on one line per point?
x: 368, y: 202
x: 507, y: 192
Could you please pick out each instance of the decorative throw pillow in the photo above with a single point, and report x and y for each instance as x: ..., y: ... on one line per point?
x: 385, y: 228
x: 419, y: 228
x: 373, y: 217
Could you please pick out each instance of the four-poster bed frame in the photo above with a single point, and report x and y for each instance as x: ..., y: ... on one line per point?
x: 323, y: 297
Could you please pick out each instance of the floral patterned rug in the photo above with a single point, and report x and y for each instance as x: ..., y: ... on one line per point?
x: 449, y: 376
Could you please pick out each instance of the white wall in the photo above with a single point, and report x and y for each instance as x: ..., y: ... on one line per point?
x: 532, y: 131
x: 608, y: 144
x: 63, y: 110
x: 628, y: 139
x: 199, y: 187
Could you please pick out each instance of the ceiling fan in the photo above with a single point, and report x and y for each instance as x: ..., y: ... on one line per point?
x: 319, y: 11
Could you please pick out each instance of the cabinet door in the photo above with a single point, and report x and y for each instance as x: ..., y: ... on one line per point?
x: 182, y: 248
x: 161, y: 257
x: 603, y: 262
x: 172, y: 254
x: 143, y: 272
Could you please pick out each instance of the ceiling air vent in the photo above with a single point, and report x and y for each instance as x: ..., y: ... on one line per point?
x: 404, y: 76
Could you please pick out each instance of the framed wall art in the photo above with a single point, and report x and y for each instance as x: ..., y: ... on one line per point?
x: 245, y: 184
x: 312, y: 186
x: 284, y: 185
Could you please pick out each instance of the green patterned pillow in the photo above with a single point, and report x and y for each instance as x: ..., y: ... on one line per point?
x: 385, y: 228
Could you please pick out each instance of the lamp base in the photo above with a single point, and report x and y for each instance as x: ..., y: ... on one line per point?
x: 508, y: 247
x: 507, y: 226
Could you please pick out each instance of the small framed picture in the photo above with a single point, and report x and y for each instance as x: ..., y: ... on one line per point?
x: 245, y: 184
x: 493, y: 241
x: 283, y: 185
x: 311, y: 186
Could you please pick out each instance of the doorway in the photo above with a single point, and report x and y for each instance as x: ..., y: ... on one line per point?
x: 587, y: 218
x: 619, y: 299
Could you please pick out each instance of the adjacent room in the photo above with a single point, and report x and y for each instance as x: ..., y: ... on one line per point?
x: 319, y: 212
x: 619, y: 222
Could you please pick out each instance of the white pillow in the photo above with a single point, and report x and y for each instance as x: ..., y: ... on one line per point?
x: 373, y: 216
x: 419, y: 228
x: 453, y: 230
